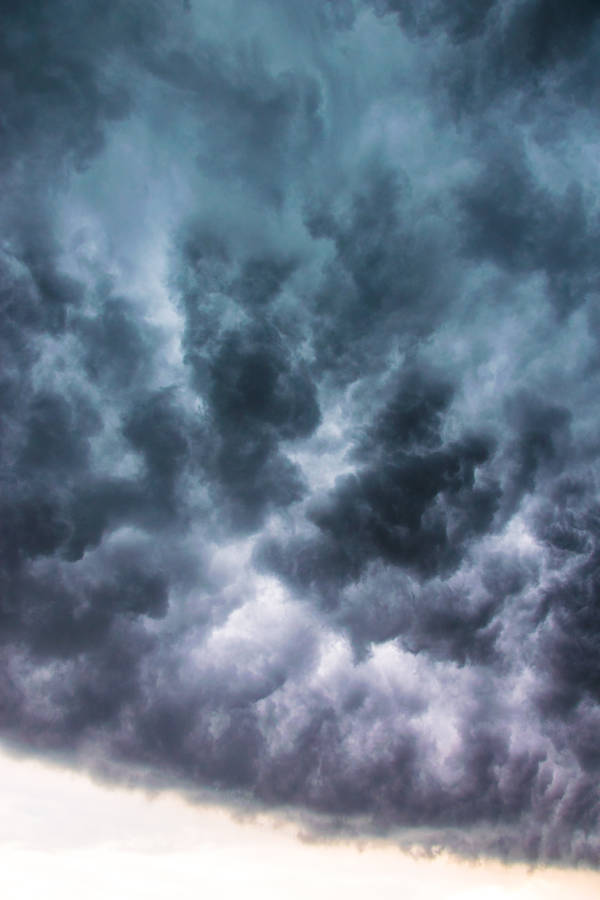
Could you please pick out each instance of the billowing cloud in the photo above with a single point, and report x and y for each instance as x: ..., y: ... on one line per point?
x: 299, y: 374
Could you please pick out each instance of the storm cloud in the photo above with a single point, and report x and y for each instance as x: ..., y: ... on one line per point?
x: 299, y: 376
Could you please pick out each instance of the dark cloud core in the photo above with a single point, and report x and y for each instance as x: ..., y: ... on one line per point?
x: 298, y: 384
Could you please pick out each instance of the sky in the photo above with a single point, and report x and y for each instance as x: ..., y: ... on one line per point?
x: 299, y: 451
x: 112, y: 842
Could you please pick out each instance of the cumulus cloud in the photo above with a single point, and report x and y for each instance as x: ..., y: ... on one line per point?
x: 299, y: 447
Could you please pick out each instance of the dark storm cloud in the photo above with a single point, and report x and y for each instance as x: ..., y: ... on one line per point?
x: 413, y: 503
x: 547, y: 30
x: 463, y: 20
x: 505, y: 47
x: 250, y: 113
x: 380, y: 282
x: 262, y: 279
x: 59, y: 91
x: 514, y: 222
x: 545, y: 34
x: 257, y: 394
x: 298, y: 387
x: 258, y: 399
x: 156, y: 429
x: 116, y: 348
x: 393, y: 512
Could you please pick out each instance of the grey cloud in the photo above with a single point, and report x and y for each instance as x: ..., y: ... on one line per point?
x: 463, y: 20
x: 262, y: 279
x: 514, y: 222
x: 539, y: 33
x: 56, y: 433
x: 545, y: 34
x: 58, y: 97
x: 412, y: 504
x: 379, y: 284
x: 495, y: 48
x: 116, y: 347
x: 257, y: 394
x: 299, y: 443
x: 157, y: 430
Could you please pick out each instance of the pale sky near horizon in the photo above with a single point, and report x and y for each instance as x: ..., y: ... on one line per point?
x: 65, y: 836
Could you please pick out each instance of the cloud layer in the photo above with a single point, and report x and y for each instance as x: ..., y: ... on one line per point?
x: 299, y: 345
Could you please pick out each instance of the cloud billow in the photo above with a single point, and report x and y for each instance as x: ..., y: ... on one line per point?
x: 299, y: 447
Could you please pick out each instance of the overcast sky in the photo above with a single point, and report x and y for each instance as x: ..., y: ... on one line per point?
x: 300, y: 436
